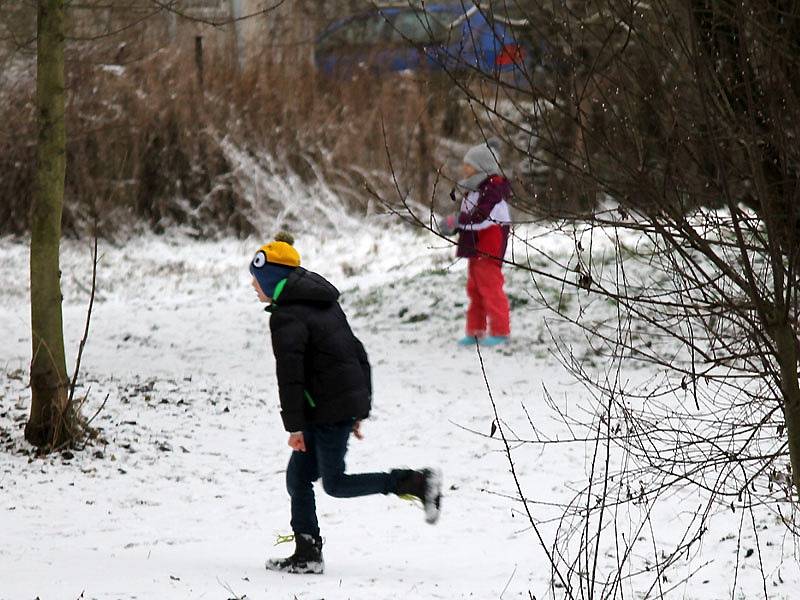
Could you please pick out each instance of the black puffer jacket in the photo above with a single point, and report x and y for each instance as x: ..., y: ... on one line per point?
x: 322, y: 368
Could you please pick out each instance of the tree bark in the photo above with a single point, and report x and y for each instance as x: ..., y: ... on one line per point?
x: 786, y: 343
x: 49, y: 418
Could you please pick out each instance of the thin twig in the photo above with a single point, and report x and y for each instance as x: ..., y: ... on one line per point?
x: 88, y: 321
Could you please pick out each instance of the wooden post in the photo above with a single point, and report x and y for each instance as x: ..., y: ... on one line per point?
x: 198, y: 60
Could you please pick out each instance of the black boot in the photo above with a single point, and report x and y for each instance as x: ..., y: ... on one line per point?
x: 307, y: 557
x: 425, y: 485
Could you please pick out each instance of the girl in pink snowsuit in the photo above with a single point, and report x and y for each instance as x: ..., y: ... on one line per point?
x: 483, y: 226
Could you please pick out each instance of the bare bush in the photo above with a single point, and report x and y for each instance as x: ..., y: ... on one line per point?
x: 661, y: 147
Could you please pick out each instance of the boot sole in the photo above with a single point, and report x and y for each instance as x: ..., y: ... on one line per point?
x: 307, y: 569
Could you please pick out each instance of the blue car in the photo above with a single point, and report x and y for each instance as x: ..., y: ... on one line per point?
x: 452, y: 36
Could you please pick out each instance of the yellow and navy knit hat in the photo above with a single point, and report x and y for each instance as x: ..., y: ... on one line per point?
x: 274, y: 261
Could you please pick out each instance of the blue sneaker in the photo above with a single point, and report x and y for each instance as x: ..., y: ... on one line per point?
x: 494, y: 340
x: 468, y: 340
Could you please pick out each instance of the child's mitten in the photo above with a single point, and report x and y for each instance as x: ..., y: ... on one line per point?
x: 449, y: 225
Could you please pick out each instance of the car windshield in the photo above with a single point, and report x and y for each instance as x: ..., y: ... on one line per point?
x: 361, y: 31
x: 404, y: 26
x: 416, y: 26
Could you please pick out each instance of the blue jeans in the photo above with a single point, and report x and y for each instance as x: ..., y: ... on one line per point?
x: 326, y: 446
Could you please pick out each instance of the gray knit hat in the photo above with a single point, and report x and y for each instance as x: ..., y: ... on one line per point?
x: 485, y: 158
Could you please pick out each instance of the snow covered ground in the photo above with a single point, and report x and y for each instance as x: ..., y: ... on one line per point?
x: 183, y: 495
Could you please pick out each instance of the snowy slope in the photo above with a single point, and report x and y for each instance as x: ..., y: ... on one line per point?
x: 183, y: 495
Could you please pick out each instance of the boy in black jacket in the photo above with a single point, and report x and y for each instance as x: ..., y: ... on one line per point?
x: 325, y: 391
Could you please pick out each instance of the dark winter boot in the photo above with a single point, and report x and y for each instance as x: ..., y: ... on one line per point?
x: 307, y: 557
x: 425, y: 485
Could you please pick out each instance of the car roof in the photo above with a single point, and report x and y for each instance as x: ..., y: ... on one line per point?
x: 448, y: 5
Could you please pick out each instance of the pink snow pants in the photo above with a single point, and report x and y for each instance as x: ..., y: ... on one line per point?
x: 487, y: 300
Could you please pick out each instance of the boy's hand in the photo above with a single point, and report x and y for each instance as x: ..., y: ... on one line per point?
x: 357, y: 430
x: 297, y: 442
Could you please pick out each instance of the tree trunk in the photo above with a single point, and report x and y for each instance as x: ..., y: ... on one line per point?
x: 787, y: 356
x: 49, y: 418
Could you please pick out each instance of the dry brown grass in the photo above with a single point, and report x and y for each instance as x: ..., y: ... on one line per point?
x: 144, y: 139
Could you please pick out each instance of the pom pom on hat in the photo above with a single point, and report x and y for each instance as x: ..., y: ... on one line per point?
x: 284, y: 236
x: 494, y: 143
